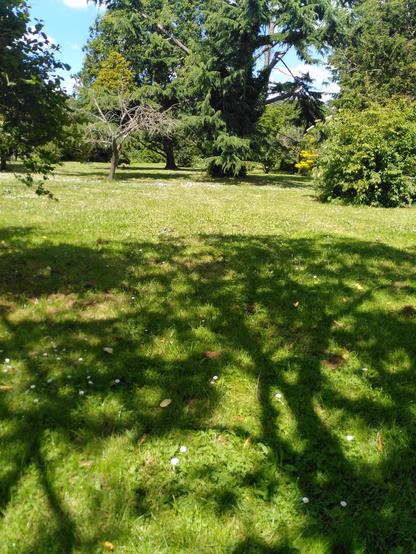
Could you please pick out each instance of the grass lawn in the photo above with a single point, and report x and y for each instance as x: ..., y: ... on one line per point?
x: 122, y: 295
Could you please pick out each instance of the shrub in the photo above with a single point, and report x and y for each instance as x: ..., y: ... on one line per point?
x: 369, y: 156
x: 307, y: 162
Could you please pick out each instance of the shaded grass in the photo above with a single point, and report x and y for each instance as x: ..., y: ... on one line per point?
x: 275, y: 282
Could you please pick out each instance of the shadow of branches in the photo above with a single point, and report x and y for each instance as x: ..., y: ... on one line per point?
x: 283, y: 303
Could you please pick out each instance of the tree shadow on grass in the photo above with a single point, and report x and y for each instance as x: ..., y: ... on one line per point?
x: 287, y: 304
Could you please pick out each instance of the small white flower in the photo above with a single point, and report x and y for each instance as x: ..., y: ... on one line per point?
x: 5, y: 370
x: 116, y: 381
x: 45, y: 353
x: 365, y: 369
x: 133, y: 298
x: 32, y: 386
x: 174, y: 461
x: 349, y: 438
x: 343, y: 504
x: 215, y: 378
x: 80, y: 359
x: 36, y: 400
x: 81, y: 393
x: 88, y: 376
x: 69, y: 376
x: 6, y: 360
x: 49, y: 381
x: 315, y: 276
x: 278, y: 395
x: 305, y: 500
x: 63, y: 349
x: 183, y: 449
x: 90, y: 382
x: 58, y: 357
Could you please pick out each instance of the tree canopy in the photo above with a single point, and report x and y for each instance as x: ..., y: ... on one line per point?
x: 32, y: 103
x: 218, y: 58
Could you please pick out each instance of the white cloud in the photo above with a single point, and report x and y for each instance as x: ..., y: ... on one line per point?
x: 320, y: 75
x: 69, y: 84
x: 77, y: 4
x: 80, y: 4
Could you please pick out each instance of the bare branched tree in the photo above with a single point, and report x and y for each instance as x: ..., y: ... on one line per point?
x: 116, y: 117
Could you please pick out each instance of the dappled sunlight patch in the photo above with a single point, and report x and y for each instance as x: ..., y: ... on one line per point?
x: 129, y: 322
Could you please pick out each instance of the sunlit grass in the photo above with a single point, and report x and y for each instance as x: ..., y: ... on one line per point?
x: 303, y: 312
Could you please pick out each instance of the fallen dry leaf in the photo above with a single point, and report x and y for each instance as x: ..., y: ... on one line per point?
x: 165, y: 403
x: 86, y: 463
x: 296, y: 304
x: 379, y: 441
x: 408, y: 311
x: 212, y: 355
x: 333, y: 360
x: 142, y: 439
x: 400, y: 284
x: 108, y: 349
x: 108, y: 545
x: 5, y: 388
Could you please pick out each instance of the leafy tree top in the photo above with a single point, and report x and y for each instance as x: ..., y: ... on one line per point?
x: 115, y: 75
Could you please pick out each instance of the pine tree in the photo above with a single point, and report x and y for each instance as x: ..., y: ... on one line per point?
x: 222, y: 56
x: 378, y: 56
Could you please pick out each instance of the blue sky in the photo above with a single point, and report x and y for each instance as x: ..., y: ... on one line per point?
x: 67, y: 23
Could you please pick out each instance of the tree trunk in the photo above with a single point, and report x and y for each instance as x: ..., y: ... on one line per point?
x: 169, y: 154
x: 3, y: 162
x: 115, y: 158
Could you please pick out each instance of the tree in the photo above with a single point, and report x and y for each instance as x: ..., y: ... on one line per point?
x: 233, y: 88
x: 279, y: 136
x: 32, y: 103
x: 134, y: 30
x: 116, y: 112
x: 377, y: 58
x: 219, y: 46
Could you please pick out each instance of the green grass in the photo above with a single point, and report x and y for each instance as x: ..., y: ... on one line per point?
x: 296, y: 296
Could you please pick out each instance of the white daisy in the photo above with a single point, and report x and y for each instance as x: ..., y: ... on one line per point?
x: 349, y: 438
x: 183, y: 449
x: 305, y: 500
x: 174, y: 461
x: 343, y: 504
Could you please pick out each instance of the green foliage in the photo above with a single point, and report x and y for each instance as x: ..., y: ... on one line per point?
x: 378, y: 56
x: 205, y: 60
x: 115, y: 74
x: 369, y: 156
x: 32, y: 103
x: 278, y: 136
